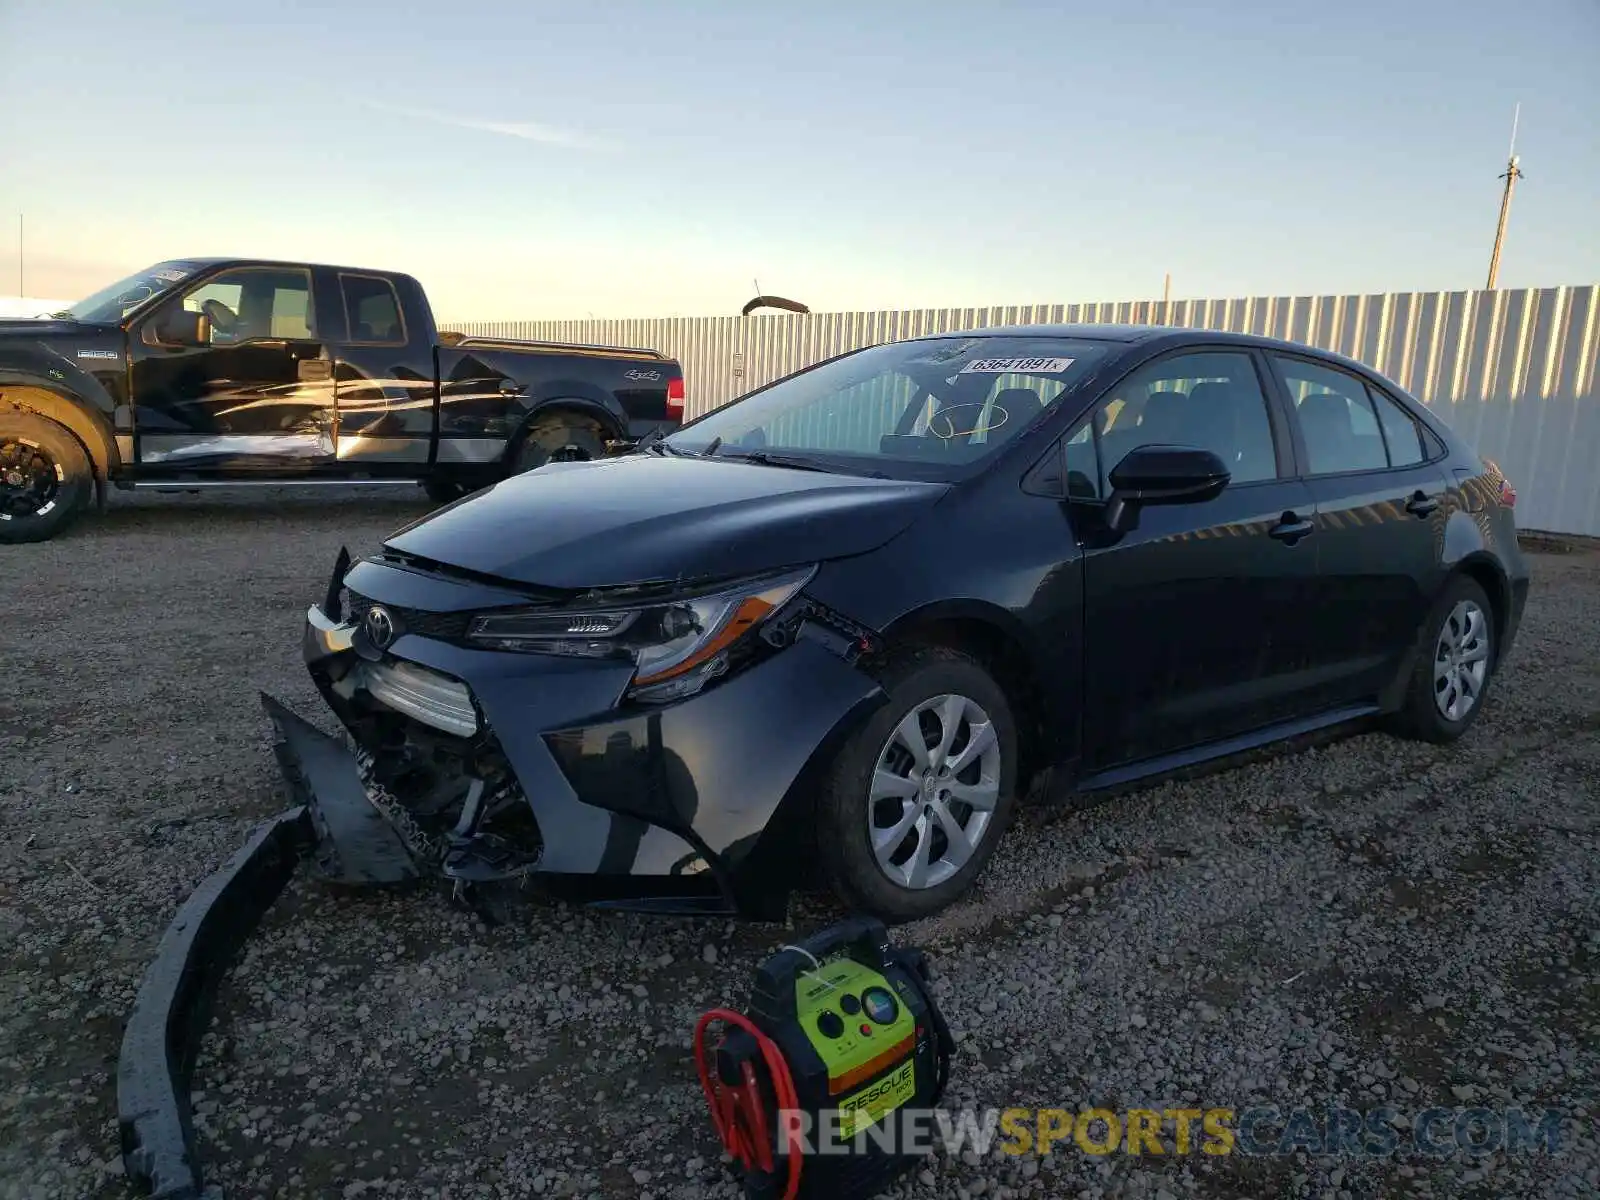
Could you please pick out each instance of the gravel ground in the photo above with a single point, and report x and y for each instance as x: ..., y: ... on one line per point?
x: 1364, y: 921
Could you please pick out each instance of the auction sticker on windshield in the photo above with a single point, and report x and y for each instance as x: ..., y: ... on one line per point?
x: 1007, y: 366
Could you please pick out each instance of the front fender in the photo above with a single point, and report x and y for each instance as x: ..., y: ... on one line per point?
x: 37, y: 379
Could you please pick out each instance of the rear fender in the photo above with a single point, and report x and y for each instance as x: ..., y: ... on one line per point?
x: 570, y: 395
x: 1471, y: 548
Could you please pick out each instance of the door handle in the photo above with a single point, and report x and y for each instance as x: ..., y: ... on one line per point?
x: 1421, y: 504
x: 1291, y: 527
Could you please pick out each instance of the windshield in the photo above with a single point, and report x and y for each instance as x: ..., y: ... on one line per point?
x: 925, y: 408
x: 110, y: 304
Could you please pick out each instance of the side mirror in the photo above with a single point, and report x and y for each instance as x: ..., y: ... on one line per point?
x: 180, y: 327
x: 1162, y: 475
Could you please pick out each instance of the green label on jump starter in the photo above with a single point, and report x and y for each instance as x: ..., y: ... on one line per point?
x: 857, y: 1024
x: 872, y: 1102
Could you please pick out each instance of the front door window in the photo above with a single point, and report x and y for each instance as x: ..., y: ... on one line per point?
x: 255, y: 304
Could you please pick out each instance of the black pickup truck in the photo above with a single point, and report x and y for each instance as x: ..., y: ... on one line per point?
x: 220, y: 372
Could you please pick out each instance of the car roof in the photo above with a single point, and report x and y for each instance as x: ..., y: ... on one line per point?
x: 1159, y: 337
x: 1124, y: 333
x: 231, y: 261
x: 1103, y: 333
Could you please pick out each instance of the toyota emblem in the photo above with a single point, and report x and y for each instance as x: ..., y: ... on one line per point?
x: 379, y: 626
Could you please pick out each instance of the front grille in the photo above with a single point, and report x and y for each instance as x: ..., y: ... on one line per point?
x: 445, y: 626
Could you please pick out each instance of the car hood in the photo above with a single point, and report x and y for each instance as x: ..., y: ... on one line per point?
x: 643, y: 519
x: 45, y: 327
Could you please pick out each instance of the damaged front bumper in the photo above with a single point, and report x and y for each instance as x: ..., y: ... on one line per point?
x: 698, y: 805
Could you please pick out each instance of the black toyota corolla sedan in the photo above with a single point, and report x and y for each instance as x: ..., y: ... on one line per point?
x: 839, y: 626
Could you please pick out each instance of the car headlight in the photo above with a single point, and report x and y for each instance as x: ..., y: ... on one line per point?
x: 676, y: 647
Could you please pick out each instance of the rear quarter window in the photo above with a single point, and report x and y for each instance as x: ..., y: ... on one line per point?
x: 372, y: 309
x: 1400, y: 431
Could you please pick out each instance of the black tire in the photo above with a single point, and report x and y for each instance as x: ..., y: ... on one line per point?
x: 45, y: 477
x: 1422, y: 714
x: 559, y: 435
x: 444, y: 491
x: 843, y: 843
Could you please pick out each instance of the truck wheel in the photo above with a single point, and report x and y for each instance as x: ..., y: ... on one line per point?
x: 45, y: 478
x: 558, y: 437
x: 444, y: 491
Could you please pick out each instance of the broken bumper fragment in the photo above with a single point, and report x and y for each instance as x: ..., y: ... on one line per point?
x: 354, y: 843
x: 162, y: 1037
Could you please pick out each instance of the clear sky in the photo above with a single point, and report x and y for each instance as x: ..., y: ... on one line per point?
x: 627, y: 158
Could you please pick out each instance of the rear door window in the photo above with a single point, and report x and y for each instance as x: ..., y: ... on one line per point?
x: 1337, y: 419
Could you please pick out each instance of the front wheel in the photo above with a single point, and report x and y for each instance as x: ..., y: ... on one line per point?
x: 45, y: 478
x: 920, y: 795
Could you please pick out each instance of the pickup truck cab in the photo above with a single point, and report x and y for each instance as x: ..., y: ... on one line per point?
x: 220, y: 372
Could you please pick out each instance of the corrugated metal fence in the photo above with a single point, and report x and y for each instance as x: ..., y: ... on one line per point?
x: 1512, y: 371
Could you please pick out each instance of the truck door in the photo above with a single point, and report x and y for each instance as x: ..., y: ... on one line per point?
x: 385, y: 372
x: 255, y: 391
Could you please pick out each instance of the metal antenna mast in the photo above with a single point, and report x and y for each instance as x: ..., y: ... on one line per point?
x: 1512, y: 173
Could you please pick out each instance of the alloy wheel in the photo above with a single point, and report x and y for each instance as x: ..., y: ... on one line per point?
x: 30, y: 478
x: 1461, y: 660
x: 934, y: 791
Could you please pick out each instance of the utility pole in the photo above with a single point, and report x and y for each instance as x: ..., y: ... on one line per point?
x: 21, y: 291
x: 1166, y: 289
x: 1513, y: 173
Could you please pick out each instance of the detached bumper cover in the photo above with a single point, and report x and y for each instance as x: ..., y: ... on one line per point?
x: 162, y: 1037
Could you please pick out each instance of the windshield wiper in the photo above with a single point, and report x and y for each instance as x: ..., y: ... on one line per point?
x: 663, y: 447
x: 767, y: 459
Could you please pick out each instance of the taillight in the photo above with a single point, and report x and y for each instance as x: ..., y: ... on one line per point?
x: 675, y: 396
x: 1508, y: 494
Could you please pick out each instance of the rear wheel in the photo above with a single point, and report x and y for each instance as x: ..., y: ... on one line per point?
x: 444, y: 491
x: 559, y: 437
x: 1454, y: 667
x: 921, y: 795
x: 45, y: 478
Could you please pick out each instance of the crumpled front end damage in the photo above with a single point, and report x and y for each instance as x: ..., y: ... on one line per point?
x: 527, y: 768
x: 486, y: 766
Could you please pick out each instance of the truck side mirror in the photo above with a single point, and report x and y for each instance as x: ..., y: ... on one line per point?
x: 180, y: 327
